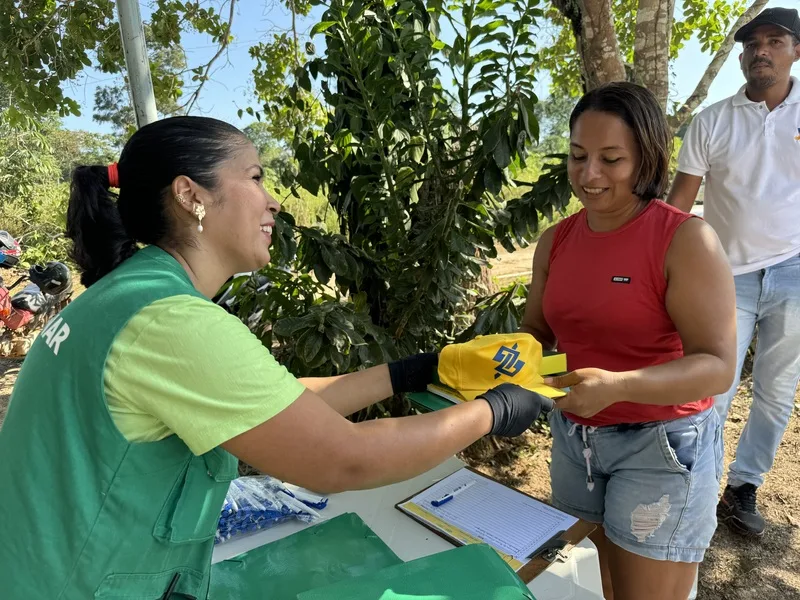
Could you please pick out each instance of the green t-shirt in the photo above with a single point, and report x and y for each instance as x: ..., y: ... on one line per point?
x: 183, y: 365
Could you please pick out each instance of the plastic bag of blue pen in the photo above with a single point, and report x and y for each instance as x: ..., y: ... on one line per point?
x: 255, y: 503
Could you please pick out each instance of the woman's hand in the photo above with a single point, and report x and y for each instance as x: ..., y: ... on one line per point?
x: 591, y: 390
x: 413, y: 373
x: 514, y: 408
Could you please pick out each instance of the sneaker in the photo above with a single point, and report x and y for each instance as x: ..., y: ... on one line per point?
x: 738, y: 509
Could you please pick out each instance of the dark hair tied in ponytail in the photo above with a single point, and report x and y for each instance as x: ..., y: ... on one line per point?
x: 105, y: 228
x: 95, y: 226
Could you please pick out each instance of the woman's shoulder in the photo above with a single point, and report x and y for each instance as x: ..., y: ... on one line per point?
x: 664, y: 209
x: 694, y: 246
x: 661, y: 222
x: 184, y: 320
x: 694, y: 234
x: 185, y: 365
x: 184, y: 306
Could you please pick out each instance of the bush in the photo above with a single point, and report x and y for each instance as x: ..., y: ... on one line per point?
x: 38, y: 221
x: 308, y: 210
x: 530, y: 175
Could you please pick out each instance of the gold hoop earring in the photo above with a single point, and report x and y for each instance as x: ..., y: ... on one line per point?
x: 200, y: 213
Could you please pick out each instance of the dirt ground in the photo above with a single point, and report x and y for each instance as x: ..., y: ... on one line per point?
x: 508, y: 267
x: 734, y: 569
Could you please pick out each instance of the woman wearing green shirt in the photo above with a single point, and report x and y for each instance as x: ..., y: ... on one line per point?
x: 132, y: 407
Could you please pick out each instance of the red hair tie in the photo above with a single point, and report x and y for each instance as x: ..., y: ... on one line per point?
x: 113, y: 175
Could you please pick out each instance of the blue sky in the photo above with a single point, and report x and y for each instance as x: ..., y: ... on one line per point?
x: 231, y: 86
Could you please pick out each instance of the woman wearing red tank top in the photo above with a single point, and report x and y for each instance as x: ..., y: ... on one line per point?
x: 640, y: 297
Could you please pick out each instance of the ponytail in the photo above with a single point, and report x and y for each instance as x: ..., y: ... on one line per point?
x: 100, y: 241
x: 106, y: 228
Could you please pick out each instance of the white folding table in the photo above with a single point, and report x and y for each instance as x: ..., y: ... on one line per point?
x: 578, y: 578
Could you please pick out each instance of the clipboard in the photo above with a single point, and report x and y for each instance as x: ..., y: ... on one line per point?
x: 556, y: 548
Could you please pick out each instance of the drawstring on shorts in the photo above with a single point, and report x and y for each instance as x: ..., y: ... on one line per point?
x: 587, y: 451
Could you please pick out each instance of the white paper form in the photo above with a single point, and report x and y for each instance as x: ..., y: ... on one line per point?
x: 502, y: 517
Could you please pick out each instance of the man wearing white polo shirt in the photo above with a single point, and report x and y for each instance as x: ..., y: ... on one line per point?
x: 748, y: 149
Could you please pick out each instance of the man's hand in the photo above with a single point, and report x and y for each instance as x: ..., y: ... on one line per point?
x: 591, y: 390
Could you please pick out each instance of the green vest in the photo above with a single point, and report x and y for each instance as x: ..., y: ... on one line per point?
x: 84, y: 513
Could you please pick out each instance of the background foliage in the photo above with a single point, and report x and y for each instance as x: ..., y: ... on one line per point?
x: 403, y: 137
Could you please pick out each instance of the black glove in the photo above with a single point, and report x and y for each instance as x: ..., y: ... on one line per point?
x: 514, y: 408
x: 413, y: 373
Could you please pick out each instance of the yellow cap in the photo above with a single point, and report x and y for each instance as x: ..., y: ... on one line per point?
x: 487, y: 361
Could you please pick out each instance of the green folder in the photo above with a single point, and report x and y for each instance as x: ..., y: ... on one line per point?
x: 473, y: 572
x: 428, y: 401
x: 342, y: 548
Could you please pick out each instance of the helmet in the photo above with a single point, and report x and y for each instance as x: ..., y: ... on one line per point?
x: 9, y: 250
x: 54, y: 278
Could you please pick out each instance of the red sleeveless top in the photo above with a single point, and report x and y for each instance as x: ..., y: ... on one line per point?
x: 605, y: 302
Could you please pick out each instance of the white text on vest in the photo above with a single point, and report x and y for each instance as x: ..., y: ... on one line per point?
x: 54, y: 333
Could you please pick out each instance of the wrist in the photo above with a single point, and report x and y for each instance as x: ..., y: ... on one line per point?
x: 485, y: 415
x: 625, y: 387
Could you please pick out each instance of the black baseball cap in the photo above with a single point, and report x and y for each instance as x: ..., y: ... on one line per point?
x: 785, y: 18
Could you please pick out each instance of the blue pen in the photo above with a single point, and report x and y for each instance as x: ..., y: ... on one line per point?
x: 447, y: 497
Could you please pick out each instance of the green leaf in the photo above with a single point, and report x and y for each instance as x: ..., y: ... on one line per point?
x: 491, y: 139
x: 405, y: 177
x: 288, y: 326
x: 502, y: 152
x: 335, y: 260
x: 303, y: 79
x: 418, y: 148
x: 355, y: 10
x: 309, y: 346
x: 322, y: 27
x: 493, y: 178
x: 322, y: 272
x: 339, y: 361
x: 338, y: 338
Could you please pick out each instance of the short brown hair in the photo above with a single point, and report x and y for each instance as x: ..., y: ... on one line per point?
x: 638, y: 107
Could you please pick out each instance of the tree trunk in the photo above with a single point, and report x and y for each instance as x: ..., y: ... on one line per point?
x: 598, y: 45
x: 651, y: 46
x: 595, y: 39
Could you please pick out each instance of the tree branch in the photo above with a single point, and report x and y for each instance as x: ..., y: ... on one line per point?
x: 294, y: 34
x: 39, y: 34
x: 225, y: 40
x: 700, y: 92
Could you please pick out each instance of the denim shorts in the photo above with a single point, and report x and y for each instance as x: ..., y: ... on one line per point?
x: 653, y: 486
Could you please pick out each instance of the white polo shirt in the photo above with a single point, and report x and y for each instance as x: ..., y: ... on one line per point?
x: 750, y: 158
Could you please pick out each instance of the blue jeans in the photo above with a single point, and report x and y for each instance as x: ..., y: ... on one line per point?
x: 653, y: 486
x: 768, y: 299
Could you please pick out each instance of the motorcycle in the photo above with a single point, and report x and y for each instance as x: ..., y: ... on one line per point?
x: 47, y: 291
